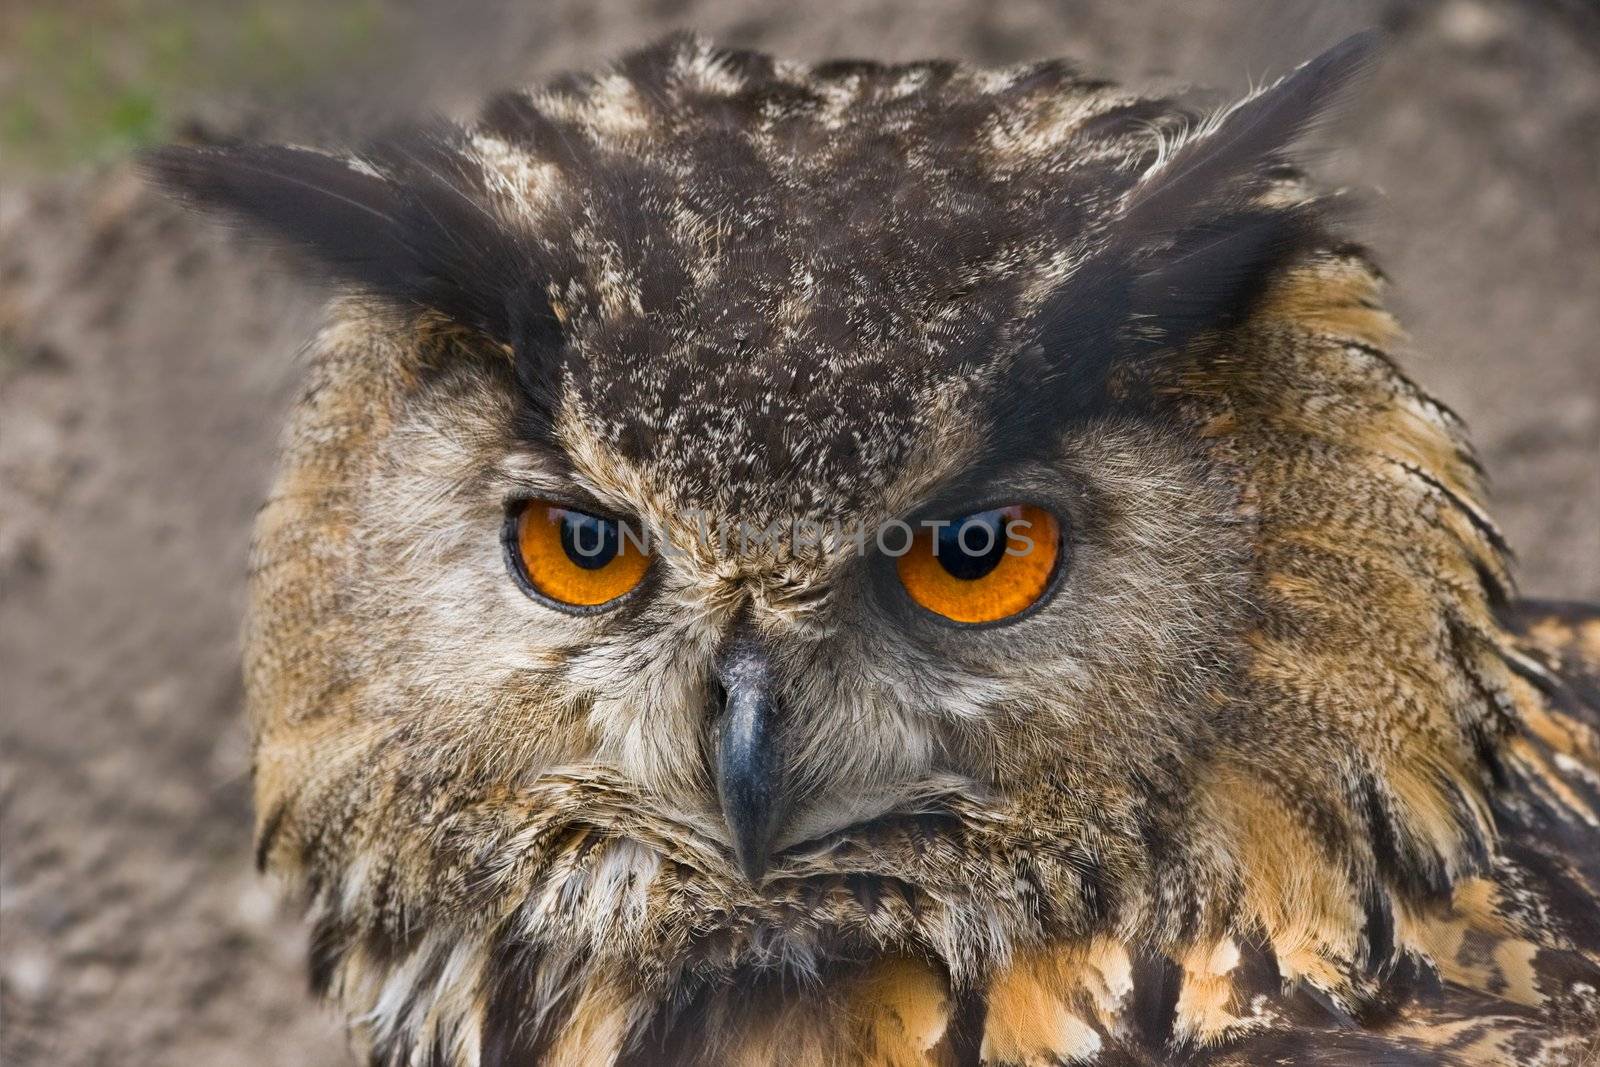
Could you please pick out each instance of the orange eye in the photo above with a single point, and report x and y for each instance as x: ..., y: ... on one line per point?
x: 574, y: 558
x: 982, y: 567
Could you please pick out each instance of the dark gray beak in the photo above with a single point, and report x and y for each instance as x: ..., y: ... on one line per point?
x: 748, y: 770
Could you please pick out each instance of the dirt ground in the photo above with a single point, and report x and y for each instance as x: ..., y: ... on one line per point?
x: 146, y: 362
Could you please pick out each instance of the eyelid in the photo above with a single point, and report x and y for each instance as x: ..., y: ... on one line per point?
x: 937, y: 510
x: 561, y: 495
x: 965, y: 495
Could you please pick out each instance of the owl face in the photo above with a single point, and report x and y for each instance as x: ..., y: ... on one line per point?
x: 589, y: 610
x: 755, y: 514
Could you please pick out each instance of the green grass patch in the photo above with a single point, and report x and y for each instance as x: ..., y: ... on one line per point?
x: 83, y: 80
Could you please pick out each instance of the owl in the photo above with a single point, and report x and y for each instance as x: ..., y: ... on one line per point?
x: 827, y: 564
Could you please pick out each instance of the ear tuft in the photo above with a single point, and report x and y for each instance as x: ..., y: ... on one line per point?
x: 1241, y: 143
x: 1201, y: 242
x: 413, y: 228
x: 347, y: 217
x: 1194, y: 244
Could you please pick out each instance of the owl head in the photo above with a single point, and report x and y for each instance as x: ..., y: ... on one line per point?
x: 748, y: 521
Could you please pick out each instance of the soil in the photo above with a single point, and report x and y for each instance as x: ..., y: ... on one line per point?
x: 146, y: 361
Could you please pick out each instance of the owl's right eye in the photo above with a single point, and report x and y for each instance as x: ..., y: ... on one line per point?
x: 984, y: 567
x: 573, y: 559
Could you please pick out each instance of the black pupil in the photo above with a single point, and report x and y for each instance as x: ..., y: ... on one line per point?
x: 971, y: 547
x: 589, y: 541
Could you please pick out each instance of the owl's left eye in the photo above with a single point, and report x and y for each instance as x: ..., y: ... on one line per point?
x: 573, y: 558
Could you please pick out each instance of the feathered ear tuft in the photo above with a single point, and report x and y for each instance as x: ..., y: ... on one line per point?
x: 407, y: 222
x: 1202, y: 242
x: 1194, y: 241
x: 1241, y: 142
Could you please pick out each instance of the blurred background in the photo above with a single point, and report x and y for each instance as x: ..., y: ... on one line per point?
x: 146, y: 361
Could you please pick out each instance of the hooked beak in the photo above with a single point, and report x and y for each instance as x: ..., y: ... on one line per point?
x: 748, y: 772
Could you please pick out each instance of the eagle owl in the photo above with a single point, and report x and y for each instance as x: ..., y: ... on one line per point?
x: 847, y: 563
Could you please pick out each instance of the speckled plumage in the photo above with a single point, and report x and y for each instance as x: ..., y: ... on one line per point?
x: 1282, y: 772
